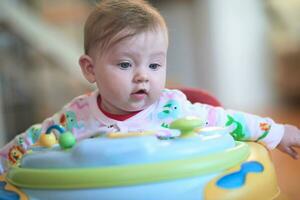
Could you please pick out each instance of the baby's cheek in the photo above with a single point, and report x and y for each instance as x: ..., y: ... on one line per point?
x: 155, y: 94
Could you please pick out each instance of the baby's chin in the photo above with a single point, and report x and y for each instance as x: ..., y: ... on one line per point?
x: 138, y: 106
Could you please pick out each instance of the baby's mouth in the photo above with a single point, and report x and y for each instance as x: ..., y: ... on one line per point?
x: 141, y: 91
x: 139, y: 94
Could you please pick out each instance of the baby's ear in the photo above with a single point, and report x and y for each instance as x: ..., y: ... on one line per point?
x: 87, y: 67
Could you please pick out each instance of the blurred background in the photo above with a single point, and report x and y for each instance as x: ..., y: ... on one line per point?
x: 246, y: 53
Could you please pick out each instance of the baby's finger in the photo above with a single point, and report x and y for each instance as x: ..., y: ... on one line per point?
x: 292, y: 152
x: 296, y: 141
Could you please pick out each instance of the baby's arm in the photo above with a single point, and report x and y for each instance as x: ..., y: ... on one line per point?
x: 290, y: 139
x: 74, y: 117
x: 11, y: 153
x: 243, y: 126
x: 265, y: 130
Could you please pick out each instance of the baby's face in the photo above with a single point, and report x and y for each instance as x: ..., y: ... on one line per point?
x: 132, y: 73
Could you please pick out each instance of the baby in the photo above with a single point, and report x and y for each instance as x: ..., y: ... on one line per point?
x: 126, y: 43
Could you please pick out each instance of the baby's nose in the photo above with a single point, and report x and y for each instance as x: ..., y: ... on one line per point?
x: 141, y: 76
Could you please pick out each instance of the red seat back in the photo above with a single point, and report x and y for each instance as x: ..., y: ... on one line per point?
x: 200, y: 96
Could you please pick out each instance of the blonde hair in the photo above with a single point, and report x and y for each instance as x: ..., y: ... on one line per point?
x: 111, y: 17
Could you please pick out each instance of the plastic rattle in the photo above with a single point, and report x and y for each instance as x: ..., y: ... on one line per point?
x: 66, y: 139
x: 47, y: 140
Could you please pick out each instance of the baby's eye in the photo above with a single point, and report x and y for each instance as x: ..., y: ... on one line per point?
x: 154, y: 66
x: 124, y: 65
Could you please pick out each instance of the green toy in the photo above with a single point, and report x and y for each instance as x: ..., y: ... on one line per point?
x: 187, y: 126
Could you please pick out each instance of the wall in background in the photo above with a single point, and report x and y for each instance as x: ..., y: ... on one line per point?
x: 221, y: 47
x: 241, y: 52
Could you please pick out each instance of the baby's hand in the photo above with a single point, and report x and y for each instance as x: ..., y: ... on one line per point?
x: 290, y: 139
